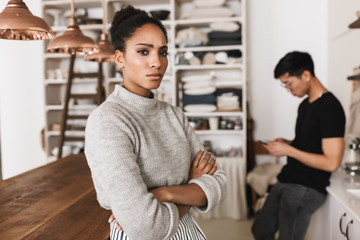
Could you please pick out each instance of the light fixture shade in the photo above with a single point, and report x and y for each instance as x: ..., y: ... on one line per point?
x: 18, y: 23
x: 355, y: 24
x: 73, y: 41
x: 105, y: 51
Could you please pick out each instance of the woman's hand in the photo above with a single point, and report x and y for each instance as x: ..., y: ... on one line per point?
x: 111, y: 219
x: 204, y: 167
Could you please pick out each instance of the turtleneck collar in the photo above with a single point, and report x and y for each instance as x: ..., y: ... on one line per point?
x: 134, y: 102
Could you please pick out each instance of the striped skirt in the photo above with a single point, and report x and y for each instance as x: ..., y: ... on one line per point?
x: 188, y: 229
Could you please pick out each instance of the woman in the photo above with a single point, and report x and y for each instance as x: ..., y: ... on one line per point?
x: 143, y: 154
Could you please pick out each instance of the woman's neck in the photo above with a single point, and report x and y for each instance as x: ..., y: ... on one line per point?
x: 137, y: 90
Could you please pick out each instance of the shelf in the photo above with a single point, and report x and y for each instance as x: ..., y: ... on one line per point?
x: 70, y: 133
x: 207, y: 67
x: 354, y: 77
x: 75, y: 81
x: 66, y: 4
x: 205, y: 21
x: 74, y: 107
x: 214, y: 114
x: 219, y: 132
x: 210, y: 48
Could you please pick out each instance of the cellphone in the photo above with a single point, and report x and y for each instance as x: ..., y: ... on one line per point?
x: 263, y: 142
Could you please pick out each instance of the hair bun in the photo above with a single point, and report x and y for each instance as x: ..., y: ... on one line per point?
x: 125, y: 13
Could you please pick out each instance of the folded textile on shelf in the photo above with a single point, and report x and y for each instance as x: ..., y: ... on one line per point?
x: 221, y: 57
x: 200, y: 108
x: 208, y: 12
x: 194, y: 61
x: 234, y: 53
x: 221, y: 42
x: 199, y: 99
x: 224, y: 26
x: 191, y: 34
x: 191, y: 43
x: 199, y: 84
x: 209, y: 3
x: 225, y: 102
x: 209, y: 58
x: 200, y: 91
x: 224, y: 38
x: 230, y: 92
x: 197, y: 77
x: 224, y: 35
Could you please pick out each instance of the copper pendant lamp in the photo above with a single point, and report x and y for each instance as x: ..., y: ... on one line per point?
x: 356, y: 24
x: 105, y: 51
x: 18, y: 23
x: 73, y: 41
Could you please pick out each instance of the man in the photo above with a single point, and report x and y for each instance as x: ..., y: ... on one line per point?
x: 316, y: 151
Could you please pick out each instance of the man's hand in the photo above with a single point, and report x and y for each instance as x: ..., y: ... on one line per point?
x: 204, y: 167
x: 278, y: 148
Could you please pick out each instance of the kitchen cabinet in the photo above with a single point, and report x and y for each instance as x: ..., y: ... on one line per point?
x: 343, y: 223
x: 339, y: 217
x: 228, y: 139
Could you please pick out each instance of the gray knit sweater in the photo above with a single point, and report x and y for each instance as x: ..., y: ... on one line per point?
x: 134, y: 144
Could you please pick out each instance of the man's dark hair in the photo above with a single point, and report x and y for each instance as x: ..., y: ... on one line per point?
x: 294, y: 63
x: 127, y: 21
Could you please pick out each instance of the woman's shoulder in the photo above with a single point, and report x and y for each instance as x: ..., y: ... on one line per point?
x: 108, y: 111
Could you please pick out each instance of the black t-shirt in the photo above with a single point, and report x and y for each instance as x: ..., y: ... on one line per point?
x: 323, y: 118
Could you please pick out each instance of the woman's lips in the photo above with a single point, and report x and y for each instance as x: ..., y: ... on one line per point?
x: 154, y: 76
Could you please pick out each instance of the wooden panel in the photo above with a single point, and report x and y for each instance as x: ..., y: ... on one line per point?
x: 83, y: 220
x: 35, y: 198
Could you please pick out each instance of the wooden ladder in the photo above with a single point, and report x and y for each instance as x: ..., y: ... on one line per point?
x: 99, y: 96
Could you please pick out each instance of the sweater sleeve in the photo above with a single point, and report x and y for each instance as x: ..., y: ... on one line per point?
x: 214, y: 186
x: 110, y: 151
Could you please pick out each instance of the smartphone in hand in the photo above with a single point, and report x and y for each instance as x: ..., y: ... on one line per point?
x: 263, y: 142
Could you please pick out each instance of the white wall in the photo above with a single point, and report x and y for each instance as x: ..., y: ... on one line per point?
x: 21, y: 102
x: 276, y: 27
x: 344, y: 48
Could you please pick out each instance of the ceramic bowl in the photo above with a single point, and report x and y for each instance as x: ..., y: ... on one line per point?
x: 160, y: 14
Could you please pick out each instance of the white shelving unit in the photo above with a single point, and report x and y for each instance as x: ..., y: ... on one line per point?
x: 171, y: 88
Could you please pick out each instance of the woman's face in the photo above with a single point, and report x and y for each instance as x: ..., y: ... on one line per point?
x: 144, y: 61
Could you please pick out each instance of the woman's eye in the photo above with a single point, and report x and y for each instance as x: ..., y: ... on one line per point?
x: 143, y: 52
x: 164, y: 53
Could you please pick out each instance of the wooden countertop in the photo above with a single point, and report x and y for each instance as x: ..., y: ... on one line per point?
x: 55, y: 201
